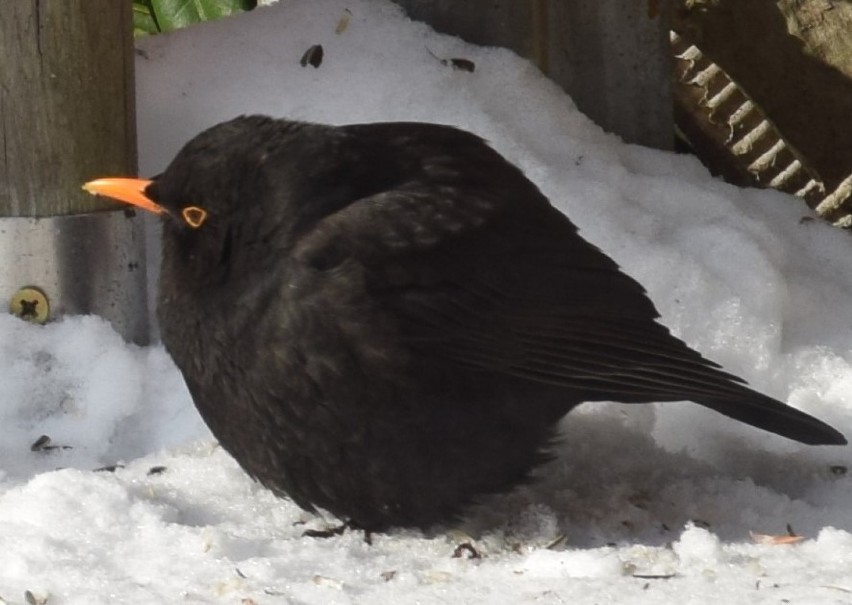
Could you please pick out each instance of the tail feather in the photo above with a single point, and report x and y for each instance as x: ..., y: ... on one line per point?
x: 776, y: 417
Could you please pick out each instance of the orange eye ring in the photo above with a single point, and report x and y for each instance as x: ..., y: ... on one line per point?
x: 194, y: 216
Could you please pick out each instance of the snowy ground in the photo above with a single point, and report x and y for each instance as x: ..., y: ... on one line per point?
x: 643, y: 505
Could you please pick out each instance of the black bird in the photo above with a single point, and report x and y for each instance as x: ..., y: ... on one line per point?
x: 387, y: 321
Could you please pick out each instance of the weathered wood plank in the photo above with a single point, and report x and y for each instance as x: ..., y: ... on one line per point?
x: 66, y: 102
x: 611, y: 56
x: 793, y: 59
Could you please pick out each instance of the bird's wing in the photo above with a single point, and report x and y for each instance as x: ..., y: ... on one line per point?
x: 592, y: 330
x: 502, y: 291
x: 493, y: 279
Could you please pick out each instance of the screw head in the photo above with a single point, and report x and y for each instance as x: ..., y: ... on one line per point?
x: 30, y: 304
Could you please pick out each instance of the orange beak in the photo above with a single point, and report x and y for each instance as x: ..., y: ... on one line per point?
x: 130, y: 191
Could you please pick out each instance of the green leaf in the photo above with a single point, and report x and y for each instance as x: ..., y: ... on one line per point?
x: 143, y: 21
x: 174, y: 14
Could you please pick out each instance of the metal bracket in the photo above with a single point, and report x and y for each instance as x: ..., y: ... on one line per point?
x: 76, y: 264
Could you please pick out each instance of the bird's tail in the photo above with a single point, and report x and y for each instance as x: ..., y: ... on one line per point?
x: 776, y: 417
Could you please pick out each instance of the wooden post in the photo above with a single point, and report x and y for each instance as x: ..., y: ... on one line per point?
x: 66, y: 102
x: 611, y: 56
x: 67, y: 115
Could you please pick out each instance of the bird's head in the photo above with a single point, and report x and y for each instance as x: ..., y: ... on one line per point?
x: 226, y: 194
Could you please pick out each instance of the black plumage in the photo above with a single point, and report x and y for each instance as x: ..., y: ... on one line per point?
x: 388, y: 320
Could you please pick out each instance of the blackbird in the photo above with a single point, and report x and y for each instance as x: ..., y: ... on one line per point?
x: 387, y: 321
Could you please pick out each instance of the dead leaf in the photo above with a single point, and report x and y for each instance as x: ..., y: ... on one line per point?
x: 774, y: 540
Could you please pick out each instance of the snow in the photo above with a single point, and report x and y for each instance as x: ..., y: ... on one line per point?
x: 644, y: 504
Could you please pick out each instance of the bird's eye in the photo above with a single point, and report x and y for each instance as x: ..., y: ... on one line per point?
x: 194, y: 216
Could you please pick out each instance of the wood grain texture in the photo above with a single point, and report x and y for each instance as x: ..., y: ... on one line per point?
x: 611, y: 56
x: 66, y: 102
x: 793, y: 59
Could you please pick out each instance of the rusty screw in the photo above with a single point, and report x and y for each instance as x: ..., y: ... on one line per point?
x: 30, y: 304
